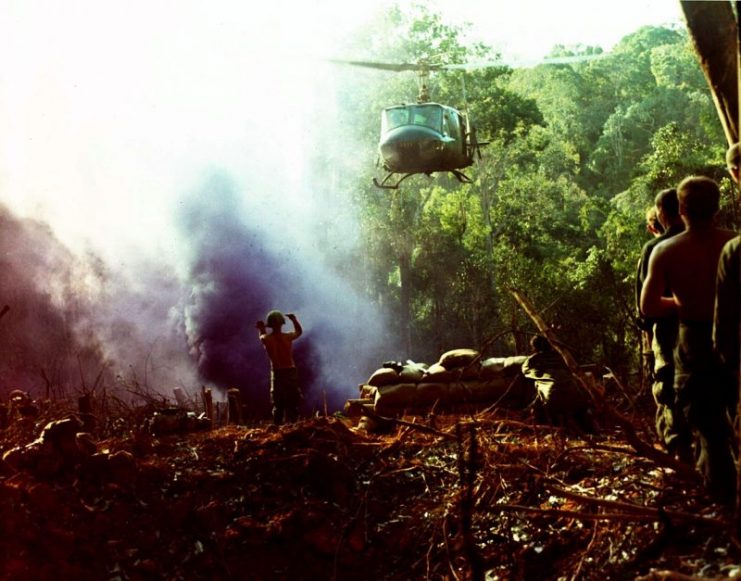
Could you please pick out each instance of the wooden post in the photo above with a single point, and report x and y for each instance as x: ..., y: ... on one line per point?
x: 235, y: 407
x: 208, y: 404
x: 85, y: 407
x: 180, y: 397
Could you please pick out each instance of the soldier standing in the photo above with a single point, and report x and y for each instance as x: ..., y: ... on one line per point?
x: 687, y: 265
x: 672, y: 430
x: 285, y: 389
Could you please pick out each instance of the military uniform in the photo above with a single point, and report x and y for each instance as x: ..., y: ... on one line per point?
x: 671, y: 427
x: 707, y: 400
x: 285, y: 394
x: 726, y: 323
x: 558, y: 394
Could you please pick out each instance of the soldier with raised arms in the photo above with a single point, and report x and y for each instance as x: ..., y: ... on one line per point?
x: 285, y: 389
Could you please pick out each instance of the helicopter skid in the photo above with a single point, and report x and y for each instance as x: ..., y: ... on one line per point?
x: 386, y: 186
x: 460, y: 176
x: 463, y: 178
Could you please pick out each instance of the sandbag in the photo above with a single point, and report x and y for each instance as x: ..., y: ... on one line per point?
x: 513, y: 365
x: 392, y: 398
x: 367, y: 391
x: 412, y: 372
x: 457, y: 358
x: 429, y: 393
x: 470, y: 372
x: 487, y: 391
x: 354, y: 407
x: 383, y: 376
x: 492, y: 367
x: 438, y: 374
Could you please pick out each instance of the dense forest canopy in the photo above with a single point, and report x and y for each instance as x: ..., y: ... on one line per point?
x: 557, y: 206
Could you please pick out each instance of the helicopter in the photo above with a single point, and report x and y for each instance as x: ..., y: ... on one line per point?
x: 427, y: 137
x: 423, y: 137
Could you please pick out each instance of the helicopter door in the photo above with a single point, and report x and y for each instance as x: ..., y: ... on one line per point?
x: 458, y: 130
x: 452, y: 126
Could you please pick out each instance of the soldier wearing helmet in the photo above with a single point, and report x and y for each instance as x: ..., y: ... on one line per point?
x: 285, y: 389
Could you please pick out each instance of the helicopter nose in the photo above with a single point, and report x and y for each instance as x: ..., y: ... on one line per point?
x: 411, y: 150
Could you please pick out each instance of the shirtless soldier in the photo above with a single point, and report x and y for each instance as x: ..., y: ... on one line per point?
x: 285, y: 389
x: 686, y: 264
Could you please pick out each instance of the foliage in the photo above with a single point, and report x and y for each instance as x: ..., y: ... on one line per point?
x: 556, y: 207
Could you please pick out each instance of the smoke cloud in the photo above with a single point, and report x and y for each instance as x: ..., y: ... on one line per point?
x: 239, y: 270
x: 126, y: 255
x: 74, y: 320
x: 46, y: 342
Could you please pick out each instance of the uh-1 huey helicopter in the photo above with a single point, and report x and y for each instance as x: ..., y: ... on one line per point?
x: 423, y: 137
x: 426, y: 137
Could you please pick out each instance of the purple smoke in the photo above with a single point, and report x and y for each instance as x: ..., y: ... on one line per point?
x: 240, y: 269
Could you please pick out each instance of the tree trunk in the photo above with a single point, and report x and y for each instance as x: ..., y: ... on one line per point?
x: 405, y: 301
x: 714, y: 32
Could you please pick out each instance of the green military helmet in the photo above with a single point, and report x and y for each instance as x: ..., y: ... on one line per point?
x: 275, y: 319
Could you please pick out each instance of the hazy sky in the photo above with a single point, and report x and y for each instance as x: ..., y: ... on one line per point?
x: 110, y: 111
x: 530, y: 28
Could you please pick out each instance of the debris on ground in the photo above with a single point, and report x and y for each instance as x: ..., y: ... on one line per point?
x: 488, y: 495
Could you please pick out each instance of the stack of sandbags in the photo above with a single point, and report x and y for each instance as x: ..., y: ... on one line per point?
x: 458, y: 377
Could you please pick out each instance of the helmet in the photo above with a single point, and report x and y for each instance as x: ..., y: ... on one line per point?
x: 275, y: 319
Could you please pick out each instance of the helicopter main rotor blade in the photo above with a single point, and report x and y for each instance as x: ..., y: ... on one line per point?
x: 425, y: 67
x: 561, y: 60
x: 397, y: 67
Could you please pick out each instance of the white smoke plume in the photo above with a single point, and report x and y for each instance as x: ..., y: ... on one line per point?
x: 154, y: 170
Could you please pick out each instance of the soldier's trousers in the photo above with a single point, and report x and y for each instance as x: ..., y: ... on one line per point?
x: 707, y: 403
x: 285, y: 394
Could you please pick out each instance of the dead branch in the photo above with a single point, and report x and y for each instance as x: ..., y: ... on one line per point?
x: 674, y: 576
x: 486, y: 344
x: 620, y: 385
x: 629, y: 507
x: 448, y: 551
x: 646, y: 515
x: 467, y: 464
x: 642, y: 448
x: 421, y: 427
x: 576, y: 572
x: 599, y: 448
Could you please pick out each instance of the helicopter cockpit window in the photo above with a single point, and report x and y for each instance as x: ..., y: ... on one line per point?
x: 429, y: 116
x: 395, y: 117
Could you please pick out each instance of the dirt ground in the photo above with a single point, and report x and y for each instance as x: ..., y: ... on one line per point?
x: 490, y: 495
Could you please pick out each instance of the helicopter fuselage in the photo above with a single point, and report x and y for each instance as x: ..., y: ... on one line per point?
x: 423, y: 138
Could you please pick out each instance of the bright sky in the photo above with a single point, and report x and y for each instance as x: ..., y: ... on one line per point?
x: 528, y: 29
x: 110, y: 111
